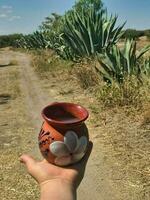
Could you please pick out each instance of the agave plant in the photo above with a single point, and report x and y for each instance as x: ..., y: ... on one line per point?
x: 84, y: 33
x: 116, y: 64
x: 33, y: 41
x: 146, y: 68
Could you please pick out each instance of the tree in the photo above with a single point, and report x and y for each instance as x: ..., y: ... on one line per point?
x: 86, y: 4
x: 51, y: 23
x: 9, y: 40
x: 133, y: 33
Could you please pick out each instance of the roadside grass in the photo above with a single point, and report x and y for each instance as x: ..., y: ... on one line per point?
x: 131, y: 93
x: 86, y: 74
x: 46, y: 61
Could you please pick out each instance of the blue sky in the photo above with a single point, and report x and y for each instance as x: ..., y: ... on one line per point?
x: 26, y: 15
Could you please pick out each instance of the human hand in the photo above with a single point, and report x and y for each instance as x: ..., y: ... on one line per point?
x: 47, y: 174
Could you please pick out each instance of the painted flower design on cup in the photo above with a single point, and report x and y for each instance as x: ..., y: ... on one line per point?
x: 69, y: 151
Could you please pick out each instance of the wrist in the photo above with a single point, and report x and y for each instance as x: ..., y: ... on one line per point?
x: 57, y: 189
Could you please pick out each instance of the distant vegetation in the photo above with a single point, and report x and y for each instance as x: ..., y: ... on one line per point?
x: 10, y: 40
x: 36, y: 40
x: 135, y: 34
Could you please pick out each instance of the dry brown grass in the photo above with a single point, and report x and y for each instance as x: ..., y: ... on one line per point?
x: 46, y: 62
x: 86, y: 74
x: 131, y: 93
x: 13, y: 62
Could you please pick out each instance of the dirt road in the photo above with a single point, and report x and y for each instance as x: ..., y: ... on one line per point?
x: 32, y: 96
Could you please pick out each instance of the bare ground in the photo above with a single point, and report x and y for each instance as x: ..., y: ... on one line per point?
x: 118, y: 168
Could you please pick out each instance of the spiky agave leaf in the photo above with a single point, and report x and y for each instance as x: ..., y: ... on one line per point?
x: 89, y: 33
x: 145, y: 68
x: 36, y: 40
x: 111, y: 66
x: 116, y: 64
x: 143, y: 51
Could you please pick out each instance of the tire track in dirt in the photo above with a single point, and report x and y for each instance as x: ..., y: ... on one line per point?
x: 96, y: 184
x: 34, y: 97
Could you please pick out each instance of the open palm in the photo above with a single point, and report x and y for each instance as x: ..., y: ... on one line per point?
x: 43, y: 171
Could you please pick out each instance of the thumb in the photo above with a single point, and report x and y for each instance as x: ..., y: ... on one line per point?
x: 28, y: 161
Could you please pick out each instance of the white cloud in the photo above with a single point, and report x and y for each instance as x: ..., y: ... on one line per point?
x: 9, y: 11
x: 6, y: 12
x: 3, y: 15
x: 12, y: 18
x: 6, y: 7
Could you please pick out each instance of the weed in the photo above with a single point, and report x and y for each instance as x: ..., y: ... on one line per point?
x: 130, y: 93
x: 47, y: 61
x: 86, y: 74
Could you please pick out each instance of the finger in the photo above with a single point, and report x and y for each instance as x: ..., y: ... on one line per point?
x: 45, y: 161
x: 28, y: 161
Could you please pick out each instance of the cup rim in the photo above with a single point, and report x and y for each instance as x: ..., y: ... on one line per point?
x: 63, y: 104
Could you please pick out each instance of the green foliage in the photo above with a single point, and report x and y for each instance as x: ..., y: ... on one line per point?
x: 33, y: 41
x: 116, y: 64
x: 51, y: 29
x: 87, y: 4
x: 130, y: 93
x: 51, y: 23
x: 82, y: 31
x: 84, y: 35
x: 147, y: 33
x: 47, y: 62
x: 133, y: 34
x: 146, y: 68
x: 9, y: 40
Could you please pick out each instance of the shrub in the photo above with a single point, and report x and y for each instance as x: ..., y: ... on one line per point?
x: 133, y: 34
x: 33, y: 41
x: 147, y: 33
x: 130, y: 93
x: 9, y: 40
x: 116, y: 64
x: 86, y: 74
x: 45, y: 61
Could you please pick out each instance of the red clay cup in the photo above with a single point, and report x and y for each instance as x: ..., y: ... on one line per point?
x: 63, y: 138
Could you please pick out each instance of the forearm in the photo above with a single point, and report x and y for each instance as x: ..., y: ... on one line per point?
x: 57, y: 190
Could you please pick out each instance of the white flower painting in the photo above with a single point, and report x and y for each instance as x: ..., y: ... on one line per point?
x: 69, y: 151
